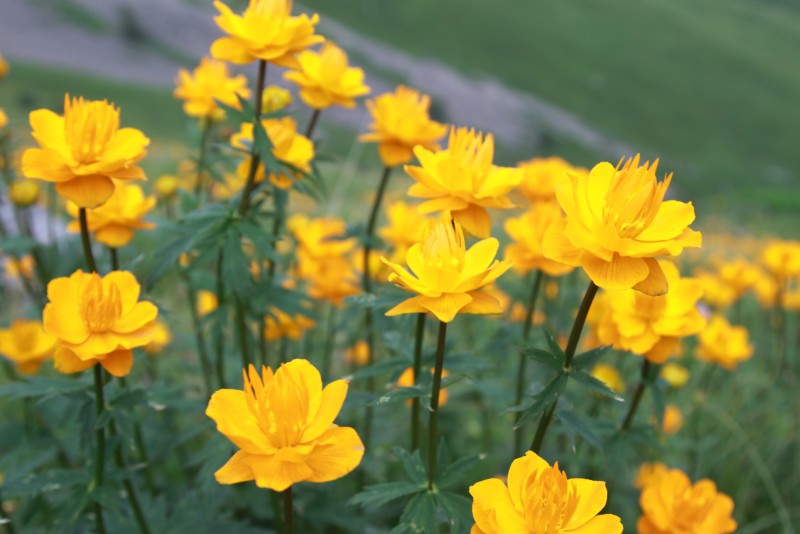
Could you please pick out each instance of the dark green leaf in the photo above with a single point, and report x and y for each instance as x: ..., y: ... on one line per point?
x: 385, y: 366
x: 546, y: 358
x: 595, y: 385
x: 588, y: 359
x: 412, y: 464
x: 419, y: 516
x: 458, y: 470
x: 543, y: 400
x: 458, y: 510
x: 401, y: 395
x: 553, y: 344
x: 381, y: 494
x: 42, y: 387
x: 580, y: 426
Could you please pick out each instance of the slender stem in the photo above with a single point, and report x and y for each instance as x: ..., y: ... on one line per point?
x: 284, y: 349
x: 313, y: 122
x: 330, y: 335
x: 279, y: 200
x: 262, y: 342
x: 87, y: 244
x: 130, y: 490
x: 202, y: 352
x: 373, y: 218
x: 205, y: 126
x: 569, y: 353
x: 288, y: 511
x: 244, y: 335
x: 220, y: 345
x: 415, y: 404
x: 637, y: 396
x: 114, y: 259
x: 100, y: 451
x: 523, y: 359
x: 141, y: 448
x: 433, y: 425
x: 244, y: 201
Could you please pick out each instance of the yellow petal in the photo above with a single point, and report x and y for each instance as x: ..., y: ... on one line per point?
x: 331, y: 403
x: 446, y: 306
x: 493, y: 510
x: 601, y: 524
x: 87, y: 191
x: 142, y: 314
x: 118, y: 363
x: 277, y: 475
x: 411, y: 305
x: 114, y: 235
x: 231, y: 49
x: 228, y: 408
x: 475, y: 220
x: 65, y: 361
x: 336, y: 453
x: 619, y: 273
x: 235, y: 470
x: 482, y: 303
x: 592, y: 496
x: 656, y: 283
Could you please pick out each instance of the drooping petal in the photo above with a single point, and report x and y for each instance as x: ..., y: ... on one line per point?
x: 656, y: 283
x: 482, y: 303
x: 235, y: 470
x: 118, y: 363
x: 66, y: 361
x: 475, y: 220
x: 87, y: 191
x: 619, y: 273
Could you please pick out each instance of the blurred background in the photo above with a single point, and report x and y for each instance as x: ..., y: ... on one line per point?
x: 709, y: 86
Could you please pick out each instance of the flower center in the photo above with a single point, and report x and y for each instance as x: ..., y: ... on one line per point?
x: 89, y: 128
x: 444, y: 247
x: 634, y: 198
x: 100, y: 309
x: 548, y: 501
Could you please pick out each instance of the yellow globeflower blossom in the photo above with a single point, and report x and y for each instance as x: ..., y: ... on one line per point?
x: 24, y: 193
x: 739, y: 274
x: 83, y: 150
x: 3, y: 119
x: 288, y: 146
x: 326, y: 80
x: 650, y: 473
x: 723, y: 344
x: 673, y: 419
x: 358, y: 354
x: 166, y: 185
x: 283, y: 425
x: 782, y: 259
x: 538, y: 499
x: 17, y: 267
x: 400, y: 121
x: 617, y: 222
x: 527, y: 233
x: 275, y: 98
x: 232, y: 184
x: 406, y: 380
x: 448, y: 278
x: 717, y: 292
x: 207, y: 84
x: 27, y: 344
x: 113, y: 223
x: 675, y: 375
x: 463, y: 181
x: 766, y: 290
x: 320, y: 236
x: 542, y: 175
x: 97, y: 320
x: 4, y: 67
x: 207, y: 302
x: 162, y: 336
x: 608, y: 375
x: 265, y: 31
x: 404, y: 227
x: 280, y: 324
x: 652, y: 326
x: 671, y: 504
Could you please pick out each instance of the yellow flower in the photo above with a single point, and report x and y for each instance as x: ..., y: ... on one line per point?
x: 161, y: 338
x: 16, y: 267
x: 652, y: 326
x: 26, y: 344
x: 208, y: 83
x: 288, y: 146
x: 406, y: 380
x: 113, y: 223
x: 609, y: 376
x: 538, y: 499
x: 275, y: 98
x: 206, y: 302
x: 766, y: 290
x: 675, y: 375
x: 358, y: 354
x: 83, y: 150
x: 281, y: 324
x: 232, y: 183
x: 446, y: 276
x: 23, y: 193
x: 266, y: 31
x: 673, y: 419
x: 617, y: 222
x: 321, y: 236
x: 782, y: 259
x: 166, y: 186
x: 723, y: 344
x: 400, y: 121
x: 542, y: 175
x: 97, y: 320
x: 650, y: 474
x: 716, y: 291
x: 672, y: 505
x: 326, y: 80
x: 283, y: 425
x: 463, y: 181
x: 404, y: 227
x: 527, y: 233
x: 740, y: 275
x: 3, y: 119
x: 4, y: 67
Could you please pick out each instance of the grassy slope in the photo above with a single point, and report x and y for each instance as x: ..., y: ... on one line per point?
x: 709, y: 84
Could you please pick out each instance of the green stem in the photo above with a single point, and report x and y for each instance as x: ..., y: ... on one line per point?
x: 87, y: 244
x: 373, y: 218
x: 220, y: 345
x: 637, y: 396
x: 433, y: 424
x: 244, y: 201
x: 415, y: 404
x: 205, y: 126
x: 330, y: 334
x: 130, y: 491
x: 288, y: 511
x: 141, y: 448
x: 100, y: 451
x: 262, y: 342
x: 197, y: 325
x: 569, y: 353
x: 312, y: 123
x: 279, y: 200
x: 114, y: 259
x: 244, y: 342
x: 523, y: 359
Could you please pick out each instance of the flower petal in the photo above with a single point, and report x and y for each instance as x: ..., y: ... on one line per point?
x: 592, y: 496
x: 87, y: 191
x: 118, y: 363
x: 336, y: 453
x: 228, y: 408
x: 619, y: 273
x: 331, y: 403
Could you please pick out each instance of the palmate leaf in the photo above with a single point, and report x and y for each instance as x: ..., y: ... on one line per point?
x: 596, y: 386
x: 580, y: 426
x: 458, y: 471
x: 379, y: 368
x: 543, y: 400
x: 457, y: 508
x: 381, y: 494
x: 557, y: 351
x: 546, y: 358
x: 401, y: 395
x: 49, y: 480
x: 45, y: 387
x: 412, y: 465
x: 419, y: 517
x: 589, y: 358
